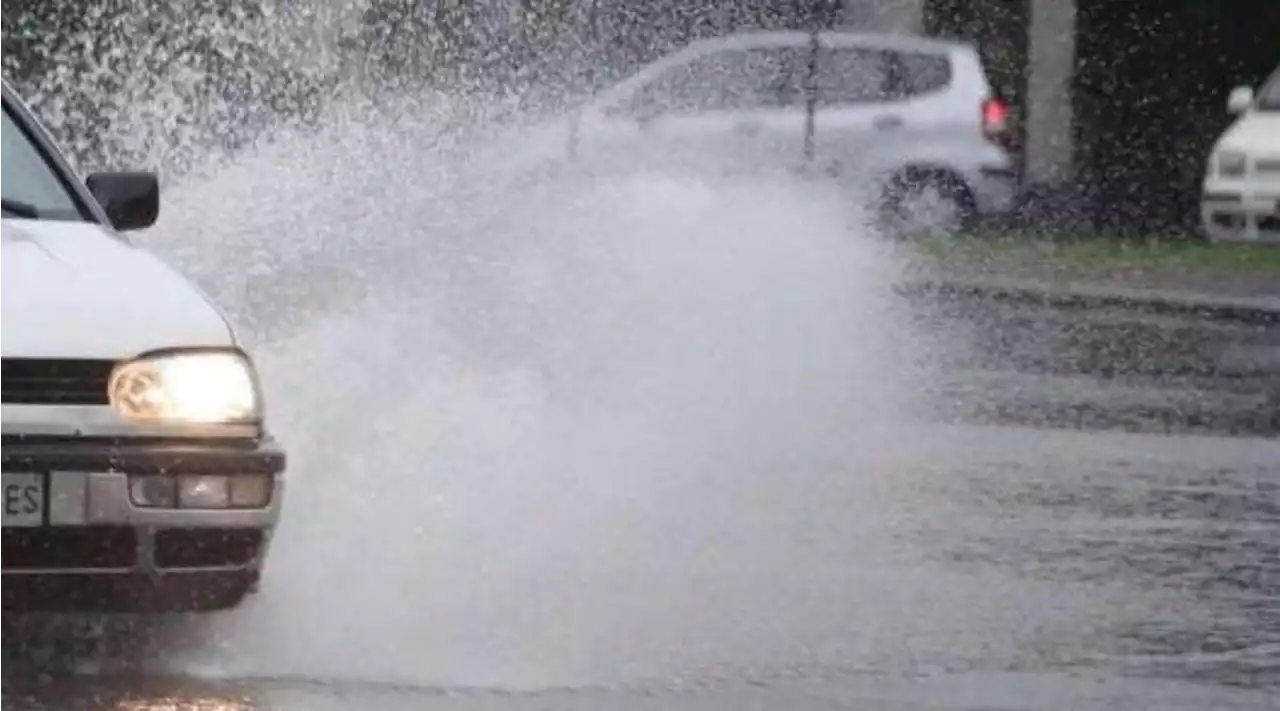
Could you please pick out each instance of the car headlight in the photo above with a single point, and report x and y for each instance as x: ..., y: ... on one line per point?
x: 205, y: 387
x: 1231, y: 164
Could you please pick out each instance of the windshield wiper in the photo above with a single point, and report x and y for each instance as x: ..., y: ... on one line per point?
x: 18, y: 208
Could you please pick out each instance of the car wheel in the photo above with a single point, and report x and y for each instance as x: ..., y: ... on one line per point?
x: 925, y: 204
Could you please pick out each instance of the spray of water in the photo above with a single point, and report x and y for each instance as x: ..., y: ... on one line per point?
x: 560, y: 433
x: 172, y: 86
x: 525, y: 432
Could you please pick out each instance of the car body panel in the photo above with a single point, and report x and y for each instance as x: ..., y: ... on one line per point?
x: 75, y: 288
x: 1253, y: 131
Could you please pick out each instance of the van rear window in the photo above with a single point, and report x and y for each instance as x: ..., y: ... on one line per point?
x: 921, y: 73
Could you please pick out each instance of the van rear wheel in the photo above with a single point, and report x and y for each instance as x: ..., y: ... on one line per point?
x: 921, y: 203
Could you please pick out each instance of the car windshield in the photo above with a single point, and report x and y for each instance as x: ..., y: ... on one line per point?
x: 31, y: 187
x: 1269, y: 95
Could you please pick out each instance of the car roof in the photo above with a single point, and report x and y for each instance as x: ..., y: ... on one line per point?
x: 901, y: 42
x: 872, y: 40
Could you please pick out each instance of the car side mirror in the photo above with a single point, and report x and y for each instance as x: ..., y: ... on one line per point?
x: 131, y: 199
x: 1240, y: 99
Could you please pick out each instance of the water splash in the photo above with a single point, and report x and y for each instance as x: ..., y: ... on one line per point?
x: 174, y: 86
x: 573, y: 398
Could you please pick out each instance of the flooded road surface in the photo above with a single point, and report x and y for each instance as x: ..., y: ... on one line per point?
x: 1035, y: 569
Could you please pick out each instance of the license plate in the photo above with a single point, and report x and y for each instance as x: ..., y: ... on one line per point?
x: 23, y: 500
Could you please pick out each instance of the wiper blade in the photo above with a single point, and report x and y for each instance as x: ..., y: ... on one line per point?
x: 18, y: 208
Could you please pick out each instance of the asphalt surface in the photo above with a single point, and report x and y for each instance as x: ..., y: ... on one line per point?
x: 1092, y: 360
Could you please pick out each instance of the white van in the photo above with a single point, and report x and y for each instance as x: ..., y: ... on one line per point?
x: 1240, y: 199
x: 910, y: 122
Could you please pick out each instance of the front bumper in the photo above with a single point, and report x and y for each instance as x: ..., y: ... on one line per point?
x: 91, y: 533
x: 1233, y: 214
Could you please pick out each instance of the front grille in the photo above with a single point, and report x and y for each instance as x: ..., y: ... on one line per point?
x: 48, y: 381
x: 1213, y: 196
x: 206, y: 547
x: 69, y: 547
x: 1267, y: 166
x: 1228, y: 220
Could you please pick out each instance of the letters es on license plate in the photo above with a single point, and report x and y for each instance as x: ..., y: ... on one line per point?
x: 23, y: 500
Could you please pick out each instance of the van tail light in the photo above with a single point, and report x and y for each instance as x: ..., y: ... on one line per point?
x: 995, y: 122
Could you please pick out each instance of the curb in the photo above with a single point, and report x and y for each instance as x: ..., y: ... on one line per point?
x: 1246, y: 310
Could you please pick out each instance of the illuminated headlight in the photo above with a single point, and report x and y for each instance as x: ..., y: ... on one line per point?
x: 1232, y: 164
x: 204, y: 492
x: 196, y: 387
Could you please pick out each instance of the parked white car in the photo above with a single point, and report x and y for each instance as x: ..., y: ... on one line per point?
x: 907, y: 121
x: 138, y: 472
x: 1240, y: 200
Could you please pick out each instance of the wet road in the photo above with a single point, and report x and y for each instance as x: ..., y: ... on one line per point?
x: 1083, y: 365
x: 659, y: 525
x: 1035, y: 569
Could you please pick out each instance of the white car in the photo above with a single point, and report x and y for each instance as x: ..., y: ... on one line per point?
x: 1240, y: 200
x: 138, y: 472
x: 907, y: 121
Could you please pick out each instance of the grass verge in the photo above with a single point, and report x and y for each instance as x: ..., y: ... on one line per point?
x: 1040, y: 253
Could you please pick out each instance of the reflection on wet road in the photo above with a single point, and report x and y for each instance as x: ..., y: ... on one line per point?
x: 1189, y: 539
x: 1037, y: 569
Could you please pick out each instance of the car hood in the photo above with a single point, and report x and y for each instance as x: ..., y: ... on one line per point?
x: 75, y: 290
x: 1254, y: 132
